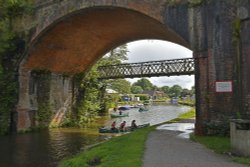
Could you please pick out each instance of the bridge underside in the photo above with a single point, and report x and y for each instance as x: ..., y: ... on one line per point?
x: 77, y: 41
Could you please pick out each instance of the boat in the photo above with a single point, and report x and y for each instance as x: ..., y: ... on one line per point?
x: 128, y: 129
x: 116, y: 115
x: 124, y: 108
x: 147, y: 102
x: 143, y: 109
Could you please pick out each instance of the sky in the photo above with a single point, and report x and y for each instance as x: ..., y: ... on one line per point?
x: 153, y: 50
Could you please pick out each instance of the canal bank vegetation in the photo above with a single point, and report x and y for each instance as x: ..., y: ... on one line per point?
x: 188, y: 102
x: 188, y: 115
x: 125, y: 150
x: 92, y: 98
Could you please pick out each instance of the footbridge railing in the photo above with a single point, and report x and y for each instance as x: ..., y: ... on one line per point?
x: 149, y: 69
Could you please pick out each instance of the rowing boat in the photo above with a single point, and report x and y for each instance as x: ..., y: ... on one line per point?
x: 127, y: 129
x: 116, y: 115
x: 143, y: 109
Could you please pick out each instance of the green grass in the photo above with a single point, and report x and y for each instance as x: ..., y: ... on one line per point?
x: 126, y: 150
x: 242, y: 160
x: 187, y: 102
x: 187, y: 115
x: 219, y: 145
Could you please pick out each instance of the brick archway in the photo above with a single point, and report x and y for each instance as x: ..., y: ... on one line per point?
x: 75, y: 42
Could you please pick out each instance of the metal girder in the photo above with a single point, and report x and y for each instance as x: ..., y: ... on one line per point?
x: 148, y: 69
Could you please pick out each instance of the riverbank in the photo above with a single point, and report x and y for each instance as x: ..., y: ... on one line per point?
x: 126, y: 150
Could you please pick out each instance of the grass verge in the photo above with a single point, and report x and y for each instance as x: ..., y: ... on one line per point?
x: 187, y: 115
x: 126, y: 150
x: 220, y: 145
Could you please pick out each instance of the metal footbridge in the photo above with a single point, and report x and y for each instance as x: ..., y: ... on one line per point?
x: 172, y: 67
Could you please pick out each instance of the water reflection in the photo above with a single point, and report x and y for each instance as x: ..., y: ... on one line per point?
x: 47, y: 148
x: 42, y: 149
x: 156, y: 114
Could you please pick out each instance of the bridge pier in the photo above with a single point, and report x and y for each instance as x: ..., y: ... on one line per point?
x: 51, y: 93
x: 23, y: 107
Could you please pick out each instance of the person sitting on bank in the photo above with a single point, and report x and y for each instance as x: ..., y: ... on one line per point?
x: 133, y: 125
x: 122, y: 126
x: 113, y: 126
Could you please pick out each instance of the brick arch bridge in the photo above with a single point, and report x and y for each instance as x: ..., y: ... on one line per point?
x: 71, y: 35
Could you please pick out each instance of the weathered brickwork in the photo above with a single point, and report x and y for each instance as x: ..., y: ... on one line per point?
x: 245, y: 34
x: 70, y: 35
x: 51, y: 91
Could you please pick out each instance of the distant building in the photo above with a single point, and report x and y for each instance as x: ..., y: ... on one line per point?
x: 154, y: 94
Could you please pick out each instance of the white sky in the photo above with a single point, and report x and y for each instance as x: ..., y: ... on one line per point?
x: 153, y: 50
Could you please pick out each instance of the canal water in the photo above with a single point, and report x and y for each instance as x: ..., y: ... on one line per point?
x: 48, y: 147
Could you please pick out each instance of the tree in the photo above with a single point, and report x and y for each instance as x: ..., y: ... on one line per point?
x: 175, y: 91
x: 144, y: 83
x: 165, y: 89
x: 121, y: 85
x: 193, y: 90
x: 185, y: 92
x: 115, y: 56
x: 91, y: 98
x: 136, y: 89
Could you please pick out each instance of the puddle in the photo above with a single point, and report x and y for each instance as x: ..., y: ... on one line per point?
x: 185, y: 128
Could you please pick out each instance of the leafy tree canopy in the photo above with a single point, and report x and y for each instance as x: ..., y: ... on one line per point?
x: 121, y: 85
x: 136, y: 89
x: 175, y: 91
x: 115, y: 56
x: 144, y: 83
x: 165, y: 89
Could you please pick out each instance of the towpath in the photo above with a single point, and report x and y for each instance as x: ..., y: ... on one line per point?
x: 165, y: 148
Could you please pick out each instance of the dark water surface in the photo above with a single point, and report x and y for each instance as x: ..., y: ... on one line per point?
x: 48, y: 147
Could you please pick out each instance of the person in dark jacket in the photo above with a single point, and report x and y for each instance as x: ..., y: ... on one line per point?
x: 133, y: 125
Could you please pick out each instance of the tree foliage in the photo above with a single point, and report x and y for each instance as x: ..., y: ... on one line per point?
x: 165, y: 89
x: 175, y: 91
x: 121, y: 85
x: 144, y: 83
x: 92, y: 98
x: 136, y: 89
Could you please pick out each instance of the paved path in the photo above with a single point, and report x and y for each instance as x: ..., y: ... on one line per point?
x: 165, y: 149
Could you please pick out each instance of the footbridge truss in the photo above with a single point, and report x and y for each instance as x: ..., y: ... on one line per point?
x: 172, y: 67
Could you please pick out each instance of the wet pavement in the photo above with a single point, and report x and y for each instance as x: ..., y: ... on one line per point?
x: 169, y: 146
x: 184, y: 128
